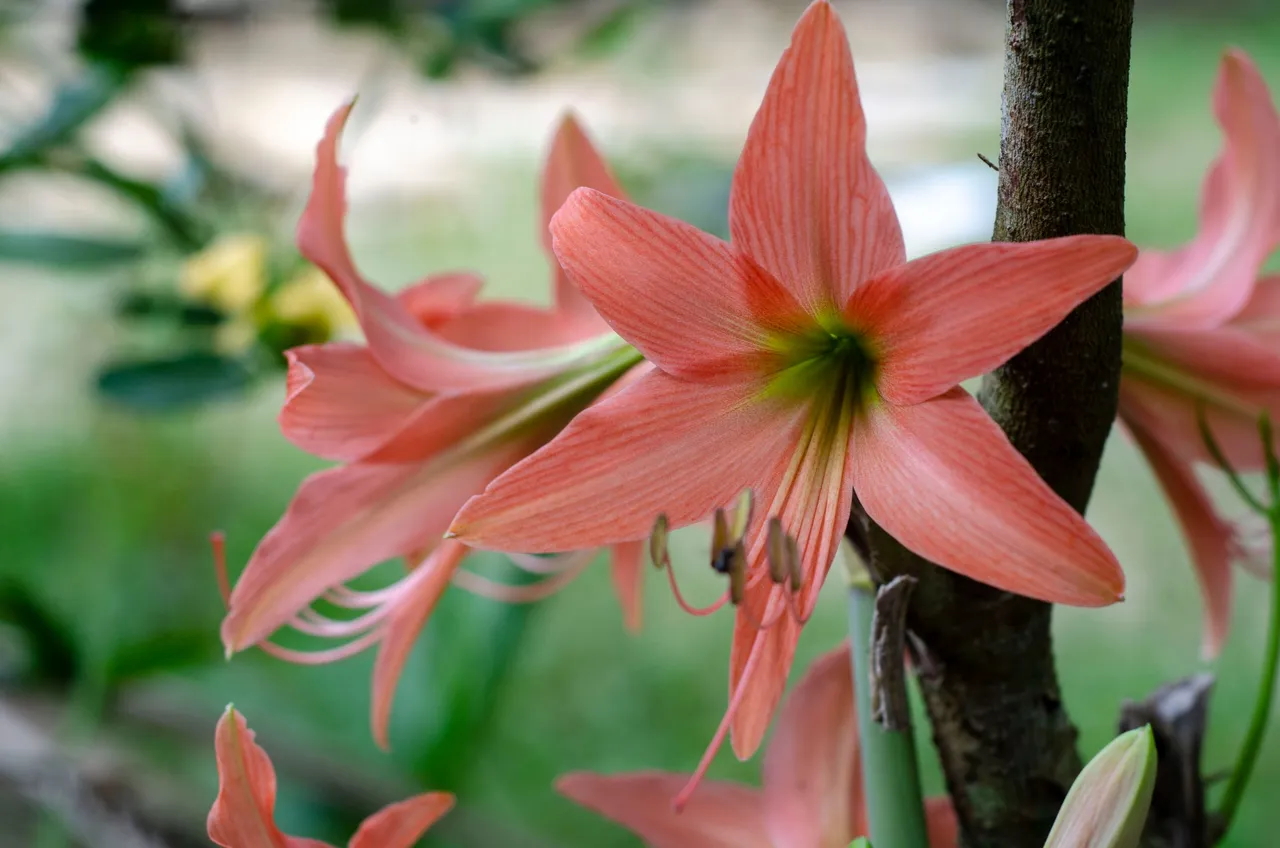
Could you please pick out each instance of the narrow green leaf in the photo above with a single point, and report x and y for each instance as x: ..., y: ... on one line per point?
x: 161, y: 385
x: 66, y: 251
x: 72, y: 106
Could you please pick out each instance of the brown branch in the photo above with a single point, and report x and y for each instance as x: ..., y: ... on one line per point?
x: 984, y: 657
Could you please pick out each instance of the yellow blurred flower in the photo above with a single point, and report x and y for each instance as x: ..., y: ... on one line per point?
x: 310, y: 300
x: 230, y: 274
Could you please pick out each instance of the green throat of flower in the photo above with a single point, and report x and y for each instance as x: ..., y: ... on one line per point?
x: 832, y: 365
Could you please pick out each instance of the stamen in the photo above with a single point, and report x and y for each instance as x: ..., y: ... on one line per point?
x: 348, y: 598
x: 794, y: 563
x: 742, y: 514
x: 738, y: 573
x: 777, y: 551
x: 684, y: 605
x: 720, y: 542
x: 658, y: 553
x: 546, y: 565
x: 313, y: 623
x: 505, y: 593
x: 717, y: 740
x: 341, y: 652
x: 218, y: 541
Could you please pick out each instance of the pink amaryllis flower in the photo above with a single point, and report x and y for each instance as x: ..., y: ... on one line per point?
x: 416, y: 439
x: 1202, y: 333
x: 804, y: 360
x: 812, y: 793
x: 243, y: 815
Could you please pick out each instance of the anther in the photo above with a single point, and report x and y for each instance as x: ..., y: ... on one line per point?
x: 737, y: 568
x: 658, y: 542
x: 778, y: 551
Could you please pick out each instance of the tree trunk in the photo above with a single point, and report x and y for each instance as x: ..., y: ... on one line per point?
x: 984, y: 658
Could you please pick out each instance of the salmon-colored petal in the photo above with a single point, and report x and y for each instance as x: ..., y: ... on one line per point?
x: 662, y: 445
x: 806, y: 202
x: 243, y: 815
x: 397, y: 339
x: 952, y: 315
x: 402, y: 824
x: 812, y: 496
x: 719, y: 815
x: 500, y: 326
x: 945, y: 482
x: 1207, y: 535
x: 573, y: 162
x: 627, y: 565
x: 439, y: 297
x: 413, y: 605
x: 691, y: 303
x: 1210, y: 280
x: 811, y: 766
x: 1260, y: 317
x: 940, y: 819
x: 1172, y: 415
x: 759, y: 664
x: 1226, y: 358
x: 340, y: 404
x: 342, y: 522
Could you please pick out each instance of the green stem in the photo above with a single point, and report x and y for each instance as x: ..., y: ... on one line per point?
x: 1252, y: 746
x: 891, y: 783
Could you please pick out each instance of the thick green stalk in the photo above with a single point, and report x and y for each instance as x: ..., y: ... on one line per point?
x: 891, y: 782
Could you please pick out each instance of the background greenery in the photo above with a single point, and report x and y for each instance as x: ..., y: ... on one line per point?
x: 109, y: 612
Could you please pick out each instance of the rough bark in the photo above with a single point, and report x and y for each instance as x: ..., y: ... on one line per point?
x: 984, y: 657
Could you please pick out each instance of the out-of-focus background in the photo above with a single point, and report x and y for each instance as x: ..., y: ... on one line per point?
x: 136, y: 415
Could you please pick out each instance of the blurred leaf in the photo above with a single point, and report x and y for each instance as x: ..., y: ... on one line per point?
x: 160, y: 385
x: 66, y: 251
x: 165, y: 652
x: 52, y: 655
x: 143, y: 305
x: 610, y: 34
x: 471, y: 643
x: 73, y: 104
x: 187, y: 230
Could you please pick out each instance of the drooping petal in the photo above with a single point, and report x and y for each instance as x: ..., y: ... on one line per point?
x: 945, y: 482
x: 1207, y: 282
x: 1208, y: 537
x: 340, y: 404
x: 941, y: 319
x: 627, y: 566
x: 402, y: 824
x: 398, y: 340
x: 719, y: 815
x: 811, y: 767
x: 1224, y: 357
x: 342, y: 522
x: 412, y: 607
x: 500, y: 326
x: 806, y: 202
x: 1260, y: 317
x: 694, y: 305
x: 573, y: 162
x: 662, y: 445
x: 243, y: 815
x: 1173, y: 416
x: 439, y: 297
x: 940, y: 819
